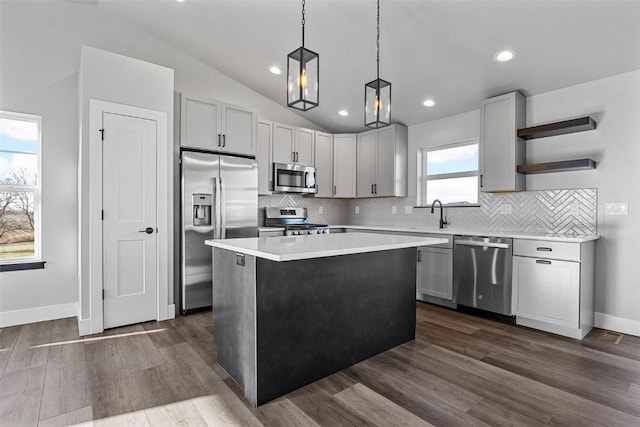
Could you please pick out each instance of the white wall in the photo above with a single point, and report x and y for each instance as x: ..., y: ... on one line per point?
x: 614, y: 103
x: 40, y: 47
x: 116, y: 78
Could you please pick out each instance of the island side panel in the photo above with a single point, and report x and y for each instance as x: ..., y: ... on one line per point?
x: 318, y: 316
x: 234, y: 318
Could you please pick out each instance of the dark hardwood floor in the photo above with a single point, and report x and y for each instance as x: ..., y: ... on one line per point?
x: 460, y: 370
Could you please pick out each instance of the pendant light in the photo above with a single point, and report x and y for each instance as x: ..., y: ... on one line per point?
x: 303, y: 70
x: 377, y: 93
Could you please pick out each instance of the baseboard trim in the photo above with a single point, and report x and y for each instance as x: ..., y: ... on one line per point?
x: 617, y: 324
x: 38, y: 314
x: 84, y: 327
x: 171, y: 311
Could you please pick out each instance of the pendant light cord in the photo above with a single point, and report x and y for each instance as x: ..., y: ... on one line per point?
x: 377, y: 43
x: 302, y: 23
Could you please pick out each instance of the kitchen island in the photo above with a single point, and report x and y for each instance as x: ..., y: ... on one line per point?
x: 288, y: 311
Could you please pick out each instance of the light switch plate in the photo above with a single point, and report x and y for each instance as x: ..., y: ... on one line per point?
x: 574, y: 208
x: 357, y: 210
x: 394, y: 210
x: 505, y: 209
x: 408, y: 210
x: 616, y: 208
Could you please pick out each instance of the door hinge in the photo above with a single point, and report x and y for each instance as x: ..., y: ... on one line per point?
x: 102, y: 134
x: 103, y: 294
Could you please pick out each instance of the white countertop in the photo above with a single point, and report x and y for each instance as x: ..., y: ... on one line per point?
x: 291, y: 248
x: 571, y: 238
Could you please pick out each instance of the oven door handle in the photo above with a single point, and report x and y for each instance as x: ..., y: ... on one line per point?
x: 482, y: 244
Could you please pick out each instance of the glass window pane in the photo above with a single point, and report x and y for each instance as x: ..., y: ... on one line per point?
x: 453, y: 190
x: 452, y: 160
x: 18, y: 135
x: 18, y: 168
x: 16, y: 224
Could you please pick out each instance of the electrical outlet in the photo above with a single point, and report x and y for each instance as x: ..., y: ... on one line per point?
x: 574, y: 208
x: 408, y: 210
x: 357, y: 210
x: 617, y: 208
x: 320, y: 210
x: 505, y: 209
x: 393, y: 210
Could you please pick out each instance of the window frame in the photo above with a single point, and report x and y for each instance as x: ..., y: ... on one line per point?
x: 36, y: 190
x: 424, y: 178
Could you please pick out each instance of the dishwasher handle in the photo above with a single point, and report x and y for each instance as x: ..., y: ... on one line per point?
x: 482, y: 244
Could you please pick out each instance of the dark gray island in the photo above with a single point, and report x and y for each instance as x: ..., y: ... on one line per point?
x: 291, y: 310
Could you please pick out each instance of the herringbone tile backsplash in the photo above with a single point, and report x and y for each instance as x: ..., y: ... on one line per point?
x: 549, y: 211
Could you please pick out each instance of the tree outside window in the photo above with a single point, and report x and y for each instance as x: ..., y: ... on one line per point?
x: 19, y: 186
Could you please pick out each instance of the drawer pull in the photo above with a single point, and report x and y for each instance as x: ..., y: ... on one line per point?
x: 542, y: 249
x: 542, y: 261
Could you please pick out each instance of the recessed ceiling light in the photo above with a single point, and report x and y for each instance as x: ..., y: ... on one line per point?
x: 429, y: 103
x: 181, y: 1
x: 504, y: 56
x: 343, y: 113
x: 275, y: 70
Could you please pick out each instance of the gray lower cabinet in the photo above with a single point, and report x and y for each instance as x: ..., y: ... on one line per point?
x: 435, y: 273
x: 553, y: 286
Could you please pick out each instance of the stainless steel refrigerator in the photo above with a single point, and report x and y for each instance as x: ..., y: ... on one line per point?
x: 219, y: 195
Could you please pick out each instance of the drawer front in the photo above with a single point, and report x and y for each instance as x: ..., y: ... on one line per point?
x: 547, y: 249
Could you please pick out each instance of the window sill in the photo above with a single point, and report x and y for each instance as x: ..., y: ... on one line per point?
x: 18, y: 266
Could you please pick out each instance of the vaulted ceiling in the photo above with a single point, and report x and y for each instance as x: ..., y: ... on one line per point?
x: 441, y: 50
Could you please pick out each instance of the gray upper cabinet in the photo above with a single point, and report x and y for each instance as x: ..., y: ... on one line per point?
x: 366, y: 163
x: 344, y: 165
x: 304, y: 147
x: 213, y: 125
x: 263, y: 156
x: 293, y: 145
x: 382, y: 162
x: 501, y: 151
x: 324, y: 164
x: 283, y: 143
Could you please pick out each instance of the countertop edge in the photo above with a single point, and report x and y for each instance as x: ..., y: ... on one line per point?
x: 322, y: 253
x: 568, y: 239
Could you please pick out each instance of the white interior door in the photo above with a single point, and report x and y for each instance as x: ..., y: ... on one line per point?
x: 129, y: 220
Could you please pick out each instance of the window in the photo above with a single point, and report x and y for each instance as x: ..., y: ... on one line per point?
x: 450, y: 174
x: 19, y: 187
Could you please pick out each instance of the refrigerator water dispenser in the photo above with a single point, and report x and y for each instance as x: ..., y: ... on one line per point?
x: 202, y: 203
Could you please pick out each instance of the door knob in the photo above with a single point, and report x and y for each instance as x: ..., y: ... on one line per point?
x: 148, y: 230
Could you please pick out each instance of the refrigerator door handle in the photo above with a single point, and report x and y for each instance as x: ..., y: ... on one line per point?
x: 223, y: 216
x: 216, y: 207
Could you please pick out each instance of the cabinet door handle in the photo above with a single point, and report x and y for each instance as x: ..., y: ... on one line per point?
x: 481, y: 181
x: 293, y: 156
x: 542, y: 249
x: 334, y: 190
x: 224, y: 140
x: 219, y: 139
x: 371, y: 188
x: 297, y: 157
x: 375, y: 188
x: 419, y: 259
x: 542, y: 261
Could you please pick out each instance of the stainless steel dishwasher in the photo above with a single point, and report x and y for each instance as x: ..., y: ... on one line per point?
x: 482, y: 269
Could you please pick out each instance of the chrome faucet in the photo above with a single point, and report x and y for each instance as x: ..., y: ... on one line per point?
x: 443, y: 222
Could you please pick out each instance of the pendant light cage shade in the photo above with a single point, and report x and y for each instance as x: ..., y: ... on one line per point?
x: 303, y: 72
x: 377, y: 103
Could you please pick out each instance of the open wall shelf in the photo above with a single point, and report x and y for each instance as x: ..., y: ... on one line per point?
x: 580, y: 124
x: 561, y: 166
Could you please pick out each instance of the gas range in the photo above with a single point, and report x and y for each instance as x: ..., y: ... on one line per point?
x: 294, y: 221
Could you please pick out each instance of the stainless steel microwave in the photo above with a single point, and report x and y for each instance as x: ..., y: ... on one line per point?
x: 293, y: 178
